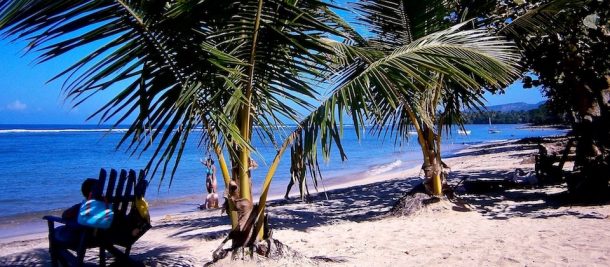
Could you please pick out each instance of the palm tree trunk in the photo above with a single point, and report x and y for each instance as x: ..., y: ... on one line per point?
x: 227, y: 180
x: 432, y: 179
x: 243, y: 177
x: 244, y: 233
x: 434, y: 167
x: 245, y: 113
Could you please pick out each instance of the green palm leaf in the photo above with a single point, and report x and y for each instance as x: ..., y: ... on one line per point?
x: 374, y: 88
x: 399, y: 22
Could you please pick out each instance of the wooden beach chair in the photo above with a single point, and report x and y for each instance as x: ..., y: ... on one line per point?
x: 121, y: 191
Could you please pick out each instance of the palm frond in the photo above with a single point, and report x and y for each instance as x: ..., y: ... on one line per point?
x: 157, y: 56
x: 180, y: 64
x: 374, y: 88
x: 461, y: 55
x: 399, y: 22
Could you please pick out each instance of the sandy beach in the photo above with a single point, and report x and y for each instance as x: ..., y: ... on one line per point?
x: 517, y: 227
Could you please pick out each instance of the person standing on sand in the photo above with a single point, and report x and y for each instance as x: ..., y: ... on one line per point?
x: 211, y: 200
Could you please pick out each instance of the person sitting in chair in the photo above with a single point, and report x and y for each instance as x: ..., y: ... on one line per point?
x: 71, y: 231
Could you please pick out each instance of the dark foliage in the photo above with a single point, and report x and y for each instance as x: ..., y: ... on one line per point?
x: 571, y: 61
x: 573, y: 67
x: 566, y: 46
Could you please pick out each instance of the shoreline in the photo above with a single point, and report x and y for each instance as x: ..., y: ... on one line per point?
x: 521, y: 226
x: 547, y: 127
x: 64, y: 167
x: 31, y: 224
x: 13, y: 227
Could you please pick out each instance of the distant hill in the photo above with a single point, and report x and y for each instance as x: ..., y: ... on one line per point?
x: 519, y: 106
x: 515, y: 113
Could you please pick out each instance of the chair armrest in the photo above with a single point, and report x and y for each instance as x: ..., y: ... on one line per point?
x: 53, y: 219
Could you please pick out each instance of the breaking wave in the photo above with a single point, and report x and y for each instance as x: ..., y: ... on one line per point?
x: 60, y: 130
x: 382, y: 168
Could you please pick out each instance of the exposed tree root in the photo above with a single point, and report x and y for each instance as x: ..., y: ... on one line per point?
x: 244, y: 247
x: 266, y: 252
x: 418, y: 200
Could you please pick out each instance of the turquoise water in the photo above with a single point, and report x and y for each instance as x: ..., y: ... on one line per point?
x: 42, y: 166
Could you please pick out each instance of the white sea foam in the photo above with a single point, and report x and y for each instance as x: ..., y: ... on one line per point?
x: 6, y: 131
x: 382, y: 168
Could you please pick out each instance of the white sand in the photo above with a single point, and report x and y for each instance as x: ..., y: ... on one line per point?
x: 514, y: 228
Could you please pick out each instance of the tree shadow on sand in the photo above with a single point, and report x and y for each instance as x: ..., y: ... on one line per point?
x: 199, y: 228
x: 165, y: 256
x: 355, y: 204
x: 34, y: 257
x: 41, y: 257
x: 494, y: 149
x: 368, y: 202
x: 531, y: 202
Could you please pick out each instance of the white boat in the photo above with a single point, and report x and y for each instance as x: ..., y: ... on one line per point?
x: 412, y: 132
x: 492, y: 130
x: 463, y: 132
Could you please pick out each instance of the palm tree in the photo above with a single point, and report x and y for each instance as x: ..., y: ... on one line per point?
x: 404, y: 28
x: 433, y: 105
x: 228, y: 66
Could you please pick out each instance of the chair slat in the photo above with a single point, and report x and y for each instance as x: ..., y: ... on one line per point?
x: 128, y: 194
x: 119, y: 190
x: 98, y: 189
x: 142, y: 184
x: 111, y: 183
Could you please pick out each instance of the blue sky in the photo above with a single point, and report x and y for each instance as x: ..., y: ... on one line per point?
x: 27, y: 98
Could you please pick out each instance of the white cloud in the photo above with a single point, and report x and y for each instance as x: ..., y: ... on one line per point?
x: 17, y: 106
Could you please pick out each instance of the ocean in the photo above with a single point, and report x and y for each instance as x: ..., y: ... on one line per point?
x: 42, y: 166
